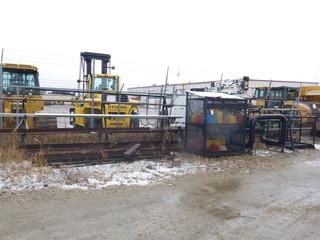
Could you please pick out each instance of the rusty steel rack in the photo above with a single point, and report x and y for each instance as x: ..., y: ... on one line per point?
x: 98, y: 146
x: 76, y: 146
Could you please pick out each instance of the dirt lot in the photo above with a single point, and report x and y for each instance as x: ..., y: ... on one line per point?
x: 266, y: 199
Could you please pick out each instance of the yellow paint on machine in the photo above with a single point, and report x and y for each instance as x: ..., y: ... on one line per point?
x: 32, y: 102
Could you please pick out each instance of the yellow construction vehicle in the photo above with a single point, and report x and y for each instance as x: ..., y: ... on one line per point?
x: 109, y: 100
x: 278, y: 98
x: 17, y: 99
x: 310, y: 94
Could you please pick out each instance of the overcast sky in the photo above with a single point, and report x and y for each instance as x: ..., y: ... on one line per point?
x: 274, y: 39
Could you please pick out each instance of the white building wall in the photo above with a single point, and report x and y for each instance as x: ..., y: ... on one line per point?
x: 180, y: 88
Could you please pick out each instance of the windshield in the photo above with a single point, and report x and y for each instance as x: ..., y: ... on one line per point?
x: 276, y: 94
x: 15, y: 78
x: 260, y: 93
x: 106, y: 83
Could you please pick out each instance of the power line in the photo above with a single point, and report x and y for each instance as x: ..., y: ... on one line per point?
x: 28, y: 52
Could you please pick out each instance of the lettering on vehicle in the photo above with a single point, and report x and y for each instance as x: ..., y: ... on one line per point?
x: 116, y: 106
x: 313, y: 92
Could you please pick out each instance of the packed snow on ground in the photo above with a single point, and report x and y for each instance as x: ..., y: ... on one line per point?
x: 315, y: 163
x: 23, y: 176
x: 269, y: 152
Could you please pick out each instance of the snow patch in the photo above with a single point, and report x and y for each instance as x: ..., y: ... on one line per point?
x: 22, y: 176
x: 317, y: 146
x: 262, y: 153
x: 269, y: 153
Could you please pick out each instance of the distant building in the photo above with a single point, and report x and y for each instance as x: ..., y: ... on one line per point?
x: 182, y: 87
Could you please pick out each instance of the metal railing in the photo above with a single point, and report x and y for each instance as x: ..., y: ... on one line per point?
x: 149, y: 104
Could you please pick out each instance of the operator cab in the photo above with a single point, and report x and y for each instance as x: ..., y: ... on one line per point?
x: 14, y: 75
x: 109, y: 83
x: 276, y: 95
x: 279, y: 93
x: 106, y: 82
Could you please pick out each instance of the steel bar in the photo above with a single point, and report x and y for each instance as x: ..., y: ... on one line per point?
x: 88, y: 130
x: 32, y: 115
x: 151, y: 94
x: 83, y: 101
x: 278, y: 109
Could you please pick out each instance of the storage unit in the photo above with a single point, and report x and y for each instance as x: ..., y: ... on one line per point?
x: 215, y: 124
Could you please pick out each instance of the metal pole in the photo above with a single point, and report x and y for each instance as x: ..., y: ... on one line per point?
x: 1, y: 90
x: 160, y: 99
x: 220, y: 84
x: 85, y: 78
x: 80, y: 70
x: 267, y: 93
x: 147, y: 107
x: 300, y: 130
x: 92, y: 95
x: 17, y: 106
x: 172, y: 97
x: 166, y: 83
x: 163, y: 97
x: 2, y: 55
x: 314, y: 130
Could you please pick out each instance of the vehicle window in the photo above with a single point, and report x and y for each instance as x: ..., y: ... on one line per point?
x: 260, y: 93
x: 29, y: 80
x: 271, y: 93
x: 6, y: 78
x: 256, y: 93
x: 278, y: 94
x: 19, y: 79
x: 98, y: 84
x: 292, y: 94
x: 104, y: 84
x: 11, y: 79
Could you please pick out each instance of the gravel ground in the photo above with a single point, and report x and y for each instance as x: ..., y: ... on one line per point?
x: 264, y: 197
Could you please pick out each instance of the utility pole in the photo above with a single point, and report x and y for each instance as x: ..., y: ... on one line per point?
x: 1, y: 90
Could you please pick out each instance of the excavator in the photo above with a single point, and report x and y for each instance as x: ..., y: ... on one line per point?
x: 17, y: 99
x: 108, y: 100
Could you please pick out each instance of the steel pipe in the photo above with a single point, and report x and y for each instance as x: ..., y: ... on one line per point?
x: 32, y: 115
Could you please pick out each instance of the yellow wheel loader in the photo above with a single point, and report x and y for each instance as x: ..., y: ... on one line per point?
x: 279, y: 98
x: 17, y: 99
x: 109, y: 100
x: 311, y: 95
